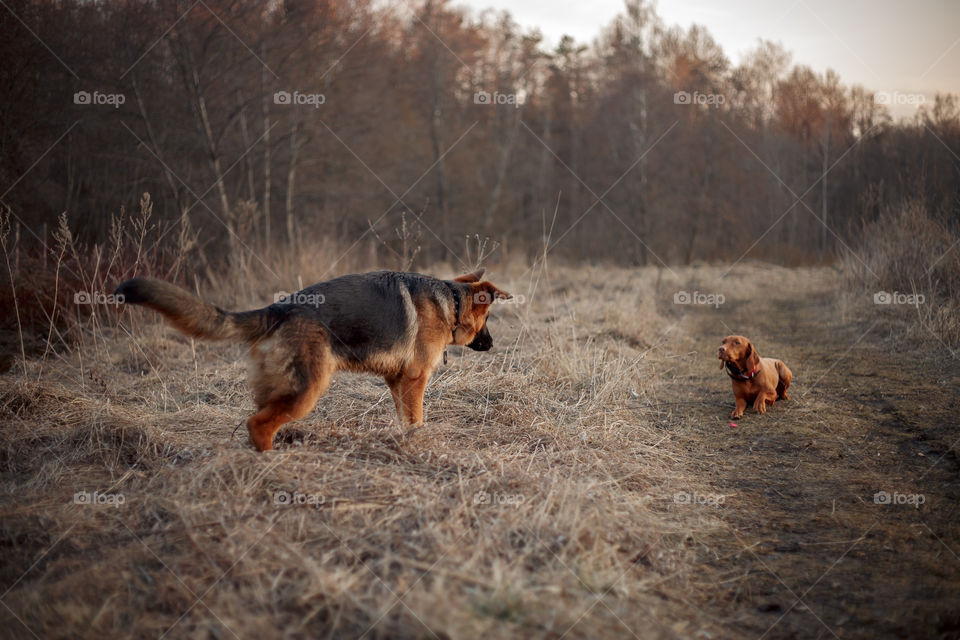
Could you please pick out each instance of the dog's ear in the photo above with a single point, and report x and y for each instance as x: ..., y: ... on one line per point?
x: 751, y: 359
x: 470, y: 277
x: 498, y: 294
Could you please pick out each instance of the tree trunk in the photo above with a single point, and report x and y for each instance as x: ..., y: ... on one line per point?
x: 247, y: 162
x: 199, y: 103
x: 503, y: 161
x: 638, y: 133
x: 171, y: 181
x: 441, y: 182
x: 291, y: 184
x: 265, y: 114
x: 823, y: 187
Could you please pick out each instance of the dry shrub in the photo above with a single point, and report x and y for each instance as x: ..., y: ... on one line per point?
x: 907, y: 251
x: 55, y: 292
x: 537, y: 500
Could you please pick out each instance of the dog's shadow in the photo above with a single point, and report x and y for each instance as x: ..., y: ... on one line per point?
x: 388, y: 443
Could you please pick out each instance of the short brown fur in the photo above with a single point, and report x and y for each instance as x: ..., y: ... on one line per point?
x: 766, y: 386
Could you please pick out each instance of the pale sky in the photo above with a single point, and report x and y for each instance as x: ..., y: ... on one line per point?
x: 906, y: 46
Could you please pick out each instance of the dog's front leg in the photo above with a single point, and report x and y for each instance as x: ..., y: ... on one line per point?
x: 741, y: 403
x: 760, y: 404
x: 413, y: 389
x: 396, y: 390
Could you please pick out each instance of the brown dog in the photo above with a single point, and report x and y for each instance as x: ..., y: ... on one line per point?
x: 761, y: 381
x: 393, y: 324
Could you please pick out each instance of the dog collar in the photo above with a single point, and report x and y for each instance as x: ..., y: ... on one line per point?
x: 737, y: 374
x: 455, y: 292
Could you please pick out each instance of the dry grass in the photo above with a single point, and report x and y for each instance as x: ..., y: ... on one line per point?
x: 537, y: 502
x: 905, y: 253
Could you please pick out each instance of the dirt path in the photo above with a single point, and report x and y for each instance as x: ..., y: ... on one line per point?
x: 807, y: 551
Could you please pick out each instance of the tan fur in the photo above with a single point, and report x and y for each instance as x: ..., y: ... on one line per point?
x: 770, y: 383
x: 293, y: 359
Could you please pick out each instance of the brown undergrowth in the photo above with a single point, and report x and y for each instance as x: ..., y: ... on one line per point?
x: 535, y: 503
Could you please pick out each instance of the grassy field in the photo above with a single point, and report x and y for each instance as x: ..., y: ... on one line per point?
x: 581, y: 480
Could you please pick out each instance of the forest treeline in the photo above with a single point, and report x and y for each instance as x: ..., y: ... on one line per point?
x: 258, y: 123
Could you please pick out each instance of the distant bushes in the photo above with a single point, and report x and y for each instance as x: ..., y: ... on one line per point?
x: 907, y: 264
x: 56, y: 289
x: 56, y: 286
x: 647, y: 147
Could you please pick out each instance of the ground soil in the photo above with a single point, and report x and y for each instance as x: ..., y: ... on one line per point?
x: 645, y: 513
x: 808, y: 550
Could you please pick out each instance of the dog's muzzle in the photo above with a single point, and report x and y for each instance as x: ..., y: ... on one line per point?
x: 482, y: 341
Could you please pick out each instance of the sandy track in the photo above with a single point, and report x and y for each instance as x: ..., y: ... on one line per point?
x: 808, y: 551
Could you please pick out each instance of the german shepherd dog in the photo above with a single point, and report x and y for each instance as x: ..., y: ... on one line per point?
x: 389, y: 323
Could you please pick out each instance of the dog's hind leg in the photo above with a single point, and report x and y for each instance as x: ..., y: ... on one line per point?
x: 783, y: 383
x: 287, y: 388
x: 264, y: 424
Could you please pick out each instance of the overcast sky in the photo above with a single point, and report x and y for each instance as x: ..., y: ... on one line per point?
x: 910, y: 46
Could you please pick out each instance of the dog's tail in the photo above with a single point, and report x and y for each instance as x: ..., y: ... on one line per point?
x: 785, y: 377
x: 195, y: 317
